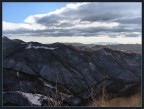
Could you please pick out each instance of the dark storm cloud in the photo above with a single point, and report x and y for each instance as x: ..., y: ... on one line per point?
x: 48, y: 20
x: 136, y: 20
x: 86, y: 32
x: 94, y: 12
x: 66, y: 21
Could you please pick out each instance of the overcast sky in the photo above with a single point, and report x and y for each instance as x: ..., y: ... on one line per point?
x: 84, y: 22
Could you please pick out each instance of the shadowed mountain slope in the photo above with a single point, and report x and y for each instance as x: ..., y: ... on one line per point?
x: 42, y: 74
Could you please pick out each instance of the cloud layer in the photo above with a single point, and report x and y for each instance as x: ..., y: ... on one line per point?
x: 82, y: 19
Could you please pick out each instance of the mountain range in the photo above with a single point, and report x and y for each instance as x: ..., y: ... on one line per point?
x: 58, y: 74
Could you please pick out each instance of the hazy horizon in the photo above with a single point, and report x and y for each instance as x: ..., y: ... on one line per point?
x: 98, y: 43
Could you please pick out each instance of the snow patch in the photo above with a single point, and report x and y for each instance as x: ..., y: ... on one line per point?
x: 48, y: 85
x: 23, y: 43
x: 37, y: 47
x: 107, y: 53
x: 33, y: 98
x: 92, y: 66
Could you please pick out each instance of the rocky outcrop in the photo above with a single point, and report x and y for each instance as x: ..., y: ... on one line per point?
x: 66, y: 75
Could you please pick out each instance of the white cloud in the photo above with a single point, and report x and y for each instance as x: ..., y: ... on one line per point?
x: 89, y: 19
x: 34, y: 18
x: 96, y: 24
x: 8, y: 26
x: 14, y: 26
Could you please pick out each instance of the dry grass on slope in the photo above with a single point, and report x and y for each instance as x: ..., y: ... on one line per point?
x: 132, y: 101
